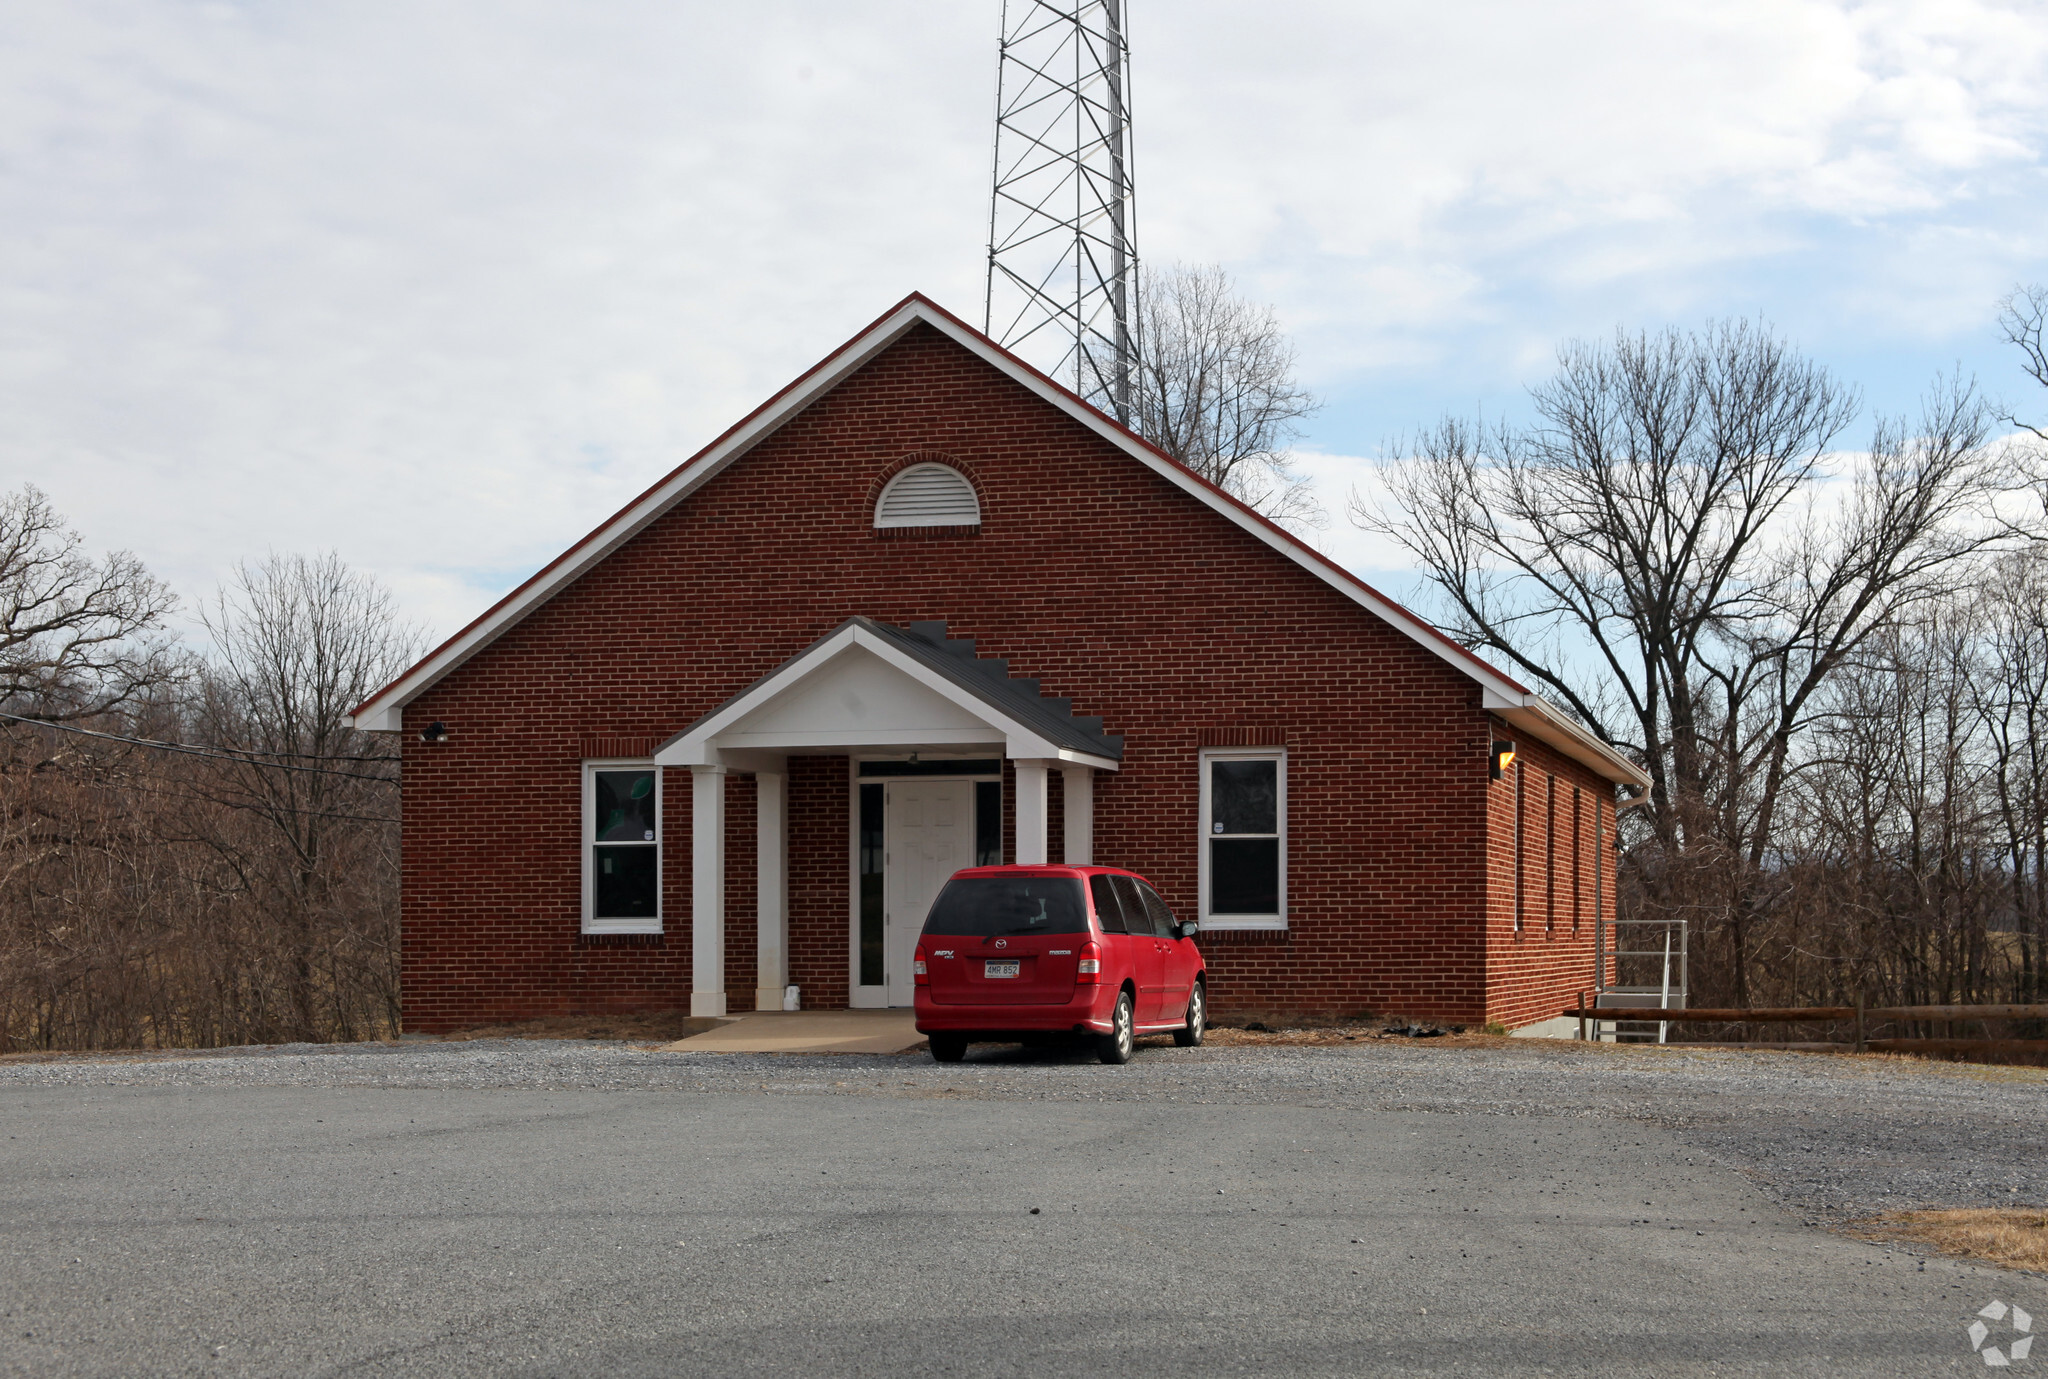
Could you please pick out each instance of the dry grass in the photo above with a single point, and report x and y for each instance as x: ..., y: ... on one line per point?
x: 662, y: 1026
x: 2014, y: 1237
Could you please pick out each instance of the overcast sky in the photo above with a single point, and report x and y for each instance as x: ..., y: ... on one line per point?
x: 441, y: 284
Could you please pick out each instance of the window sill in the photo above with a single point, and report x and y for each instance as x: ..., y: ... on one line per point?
x: 1229, y: 922
x: 595, y: 927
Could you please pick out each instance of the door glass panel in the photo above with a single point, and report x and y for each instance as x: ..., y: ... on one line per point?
x: 1244, y: 797
x: 1108, y: 908
x: 625, y: 807
x: 1244, y: 876
x: 871, y: 957
x: 988, y: 823
x: 626, y: 882
x: 1137, y: 919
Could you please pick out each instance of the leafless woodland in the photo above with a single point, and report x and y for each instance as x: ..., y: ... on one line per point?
x: 1830, y: 652
x: 196, y: 851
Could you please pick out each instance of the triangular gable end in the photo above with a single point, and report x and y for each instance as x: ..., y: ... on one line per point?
x: 382, y: 711
x: 868, y: 684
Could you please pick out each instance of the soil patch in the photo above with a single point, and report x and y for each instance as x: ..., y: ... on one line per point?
x: 1346, y: 1032
x: 664, y: 1026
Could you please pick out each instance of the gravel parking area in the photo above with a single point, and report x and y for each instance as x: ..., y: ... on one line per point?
x: 1834, y: 1138
x: 604, y: 1208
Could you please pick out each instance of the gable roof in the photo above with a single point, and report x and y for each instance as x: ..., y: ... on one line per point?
x: 381, y: 711
x: 1046, y: 724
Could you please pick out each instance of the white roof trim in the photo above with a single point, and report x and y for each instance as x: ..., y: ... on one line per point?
x: 701, y: 745
x: 381, y: 712
x: 1547, y: 723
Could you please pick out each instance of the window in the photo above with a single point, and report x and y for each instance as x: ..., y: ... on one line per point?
x: 1550, y: 853
x: 1599, y: 862
x: 928, y: 495
x: 1162, y: 918
x: 1521, y: 814
x: 1131, y: 898
x: 1244, y: 833
x: 1109, y: 909
x: 621, y: 848
x: 988, y: 906
x: 1578, y: 838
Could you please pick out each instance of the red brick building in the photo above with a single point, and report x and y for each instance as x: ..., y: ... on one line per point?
x: 923, y: 609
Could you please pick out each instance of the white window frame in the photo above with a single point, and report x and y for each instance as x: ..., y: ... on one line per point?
x: 1277, y: 755
x: 588, y: 846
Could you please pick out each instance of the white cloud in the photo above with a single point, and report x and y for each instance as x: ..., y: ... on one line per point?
x: 443, y: 285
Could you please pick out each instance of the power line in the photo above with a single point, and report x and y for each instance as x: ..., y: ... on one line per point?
x: 237, y: 756
x: 245, y: 808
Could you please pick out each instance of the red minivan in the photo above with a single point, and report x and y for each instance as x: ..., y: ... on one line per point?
x: 1024, y: 953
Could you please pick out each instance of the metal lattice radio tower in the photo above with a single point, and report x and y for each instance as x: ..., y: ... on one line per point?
x: 1062, y: 259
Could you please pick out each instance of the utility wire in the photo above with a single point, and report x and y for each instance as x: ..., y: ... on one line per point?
x: 234, y: 755
x: 248, y: 808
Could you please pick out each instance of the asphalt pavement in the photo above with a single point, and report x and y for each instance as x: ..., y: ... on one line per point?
x: 577, y: 1210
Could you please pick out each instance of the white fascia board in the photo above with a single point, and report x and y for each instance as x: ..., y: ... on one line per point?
x: 1067, y: 756
x: 1548, y: 724
x: 385, y: 717
x: 860, y: 737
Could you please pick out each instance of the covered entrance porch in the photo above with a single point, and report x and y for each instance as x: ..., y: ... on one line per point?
x: 928, y: 727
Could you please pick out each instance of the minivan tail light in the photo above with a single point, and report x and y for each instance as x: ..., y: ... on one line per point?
x: 917, y: 972
x: 1089, y: 969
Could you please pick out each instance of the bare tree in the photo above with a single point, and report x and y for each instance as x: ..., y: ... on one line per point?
x: 297, y: 642
x: 1652, y: 552
x: 2011, y: 699
x: 2023, y: 321
x: 79, y: 637
x: 1217, y: 390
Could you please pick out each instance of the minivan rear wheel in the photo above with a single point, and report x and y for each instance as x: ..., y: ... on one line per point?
x: 1121, y: 1042
x: 1198, y: 1019
x: 948, y: 1048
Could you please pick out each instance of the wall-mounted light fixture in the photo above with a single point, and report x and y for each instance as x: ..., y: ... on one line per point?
x: 1503, y: 757
x: 436, y: 731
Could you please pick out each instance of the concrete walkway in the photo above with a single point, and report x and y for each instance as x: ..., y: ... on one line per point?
x: 808, y: 1031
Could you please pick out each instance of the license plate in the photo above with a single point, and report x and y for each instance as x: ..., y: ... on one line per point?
x: 999, y: 969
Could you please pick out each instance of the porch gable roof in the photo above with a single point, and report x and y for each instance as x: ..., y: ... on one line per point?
x: 1030, y: 724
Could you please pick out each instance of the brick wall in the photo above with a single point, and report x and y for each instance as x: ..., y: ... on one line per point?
x: 1536, y: 968
x: 1088, y: 571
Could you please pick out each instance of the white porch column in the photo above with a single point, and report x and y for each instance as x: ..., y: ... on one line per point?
x: 771, y: 889
x: 1079, y: 804
x: 1031, y: 813
x: 707, y: 891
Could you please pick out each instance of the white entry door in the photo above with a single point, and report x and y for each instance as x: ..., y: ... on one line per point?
x: 927, y: 835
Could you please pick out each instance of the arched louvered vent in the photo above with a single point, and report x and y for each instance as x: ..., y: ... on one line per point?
x: 928, y: 495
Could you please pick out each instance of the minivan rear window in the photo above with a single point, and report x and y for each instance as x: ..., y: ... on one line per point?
x: 988, y: 906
